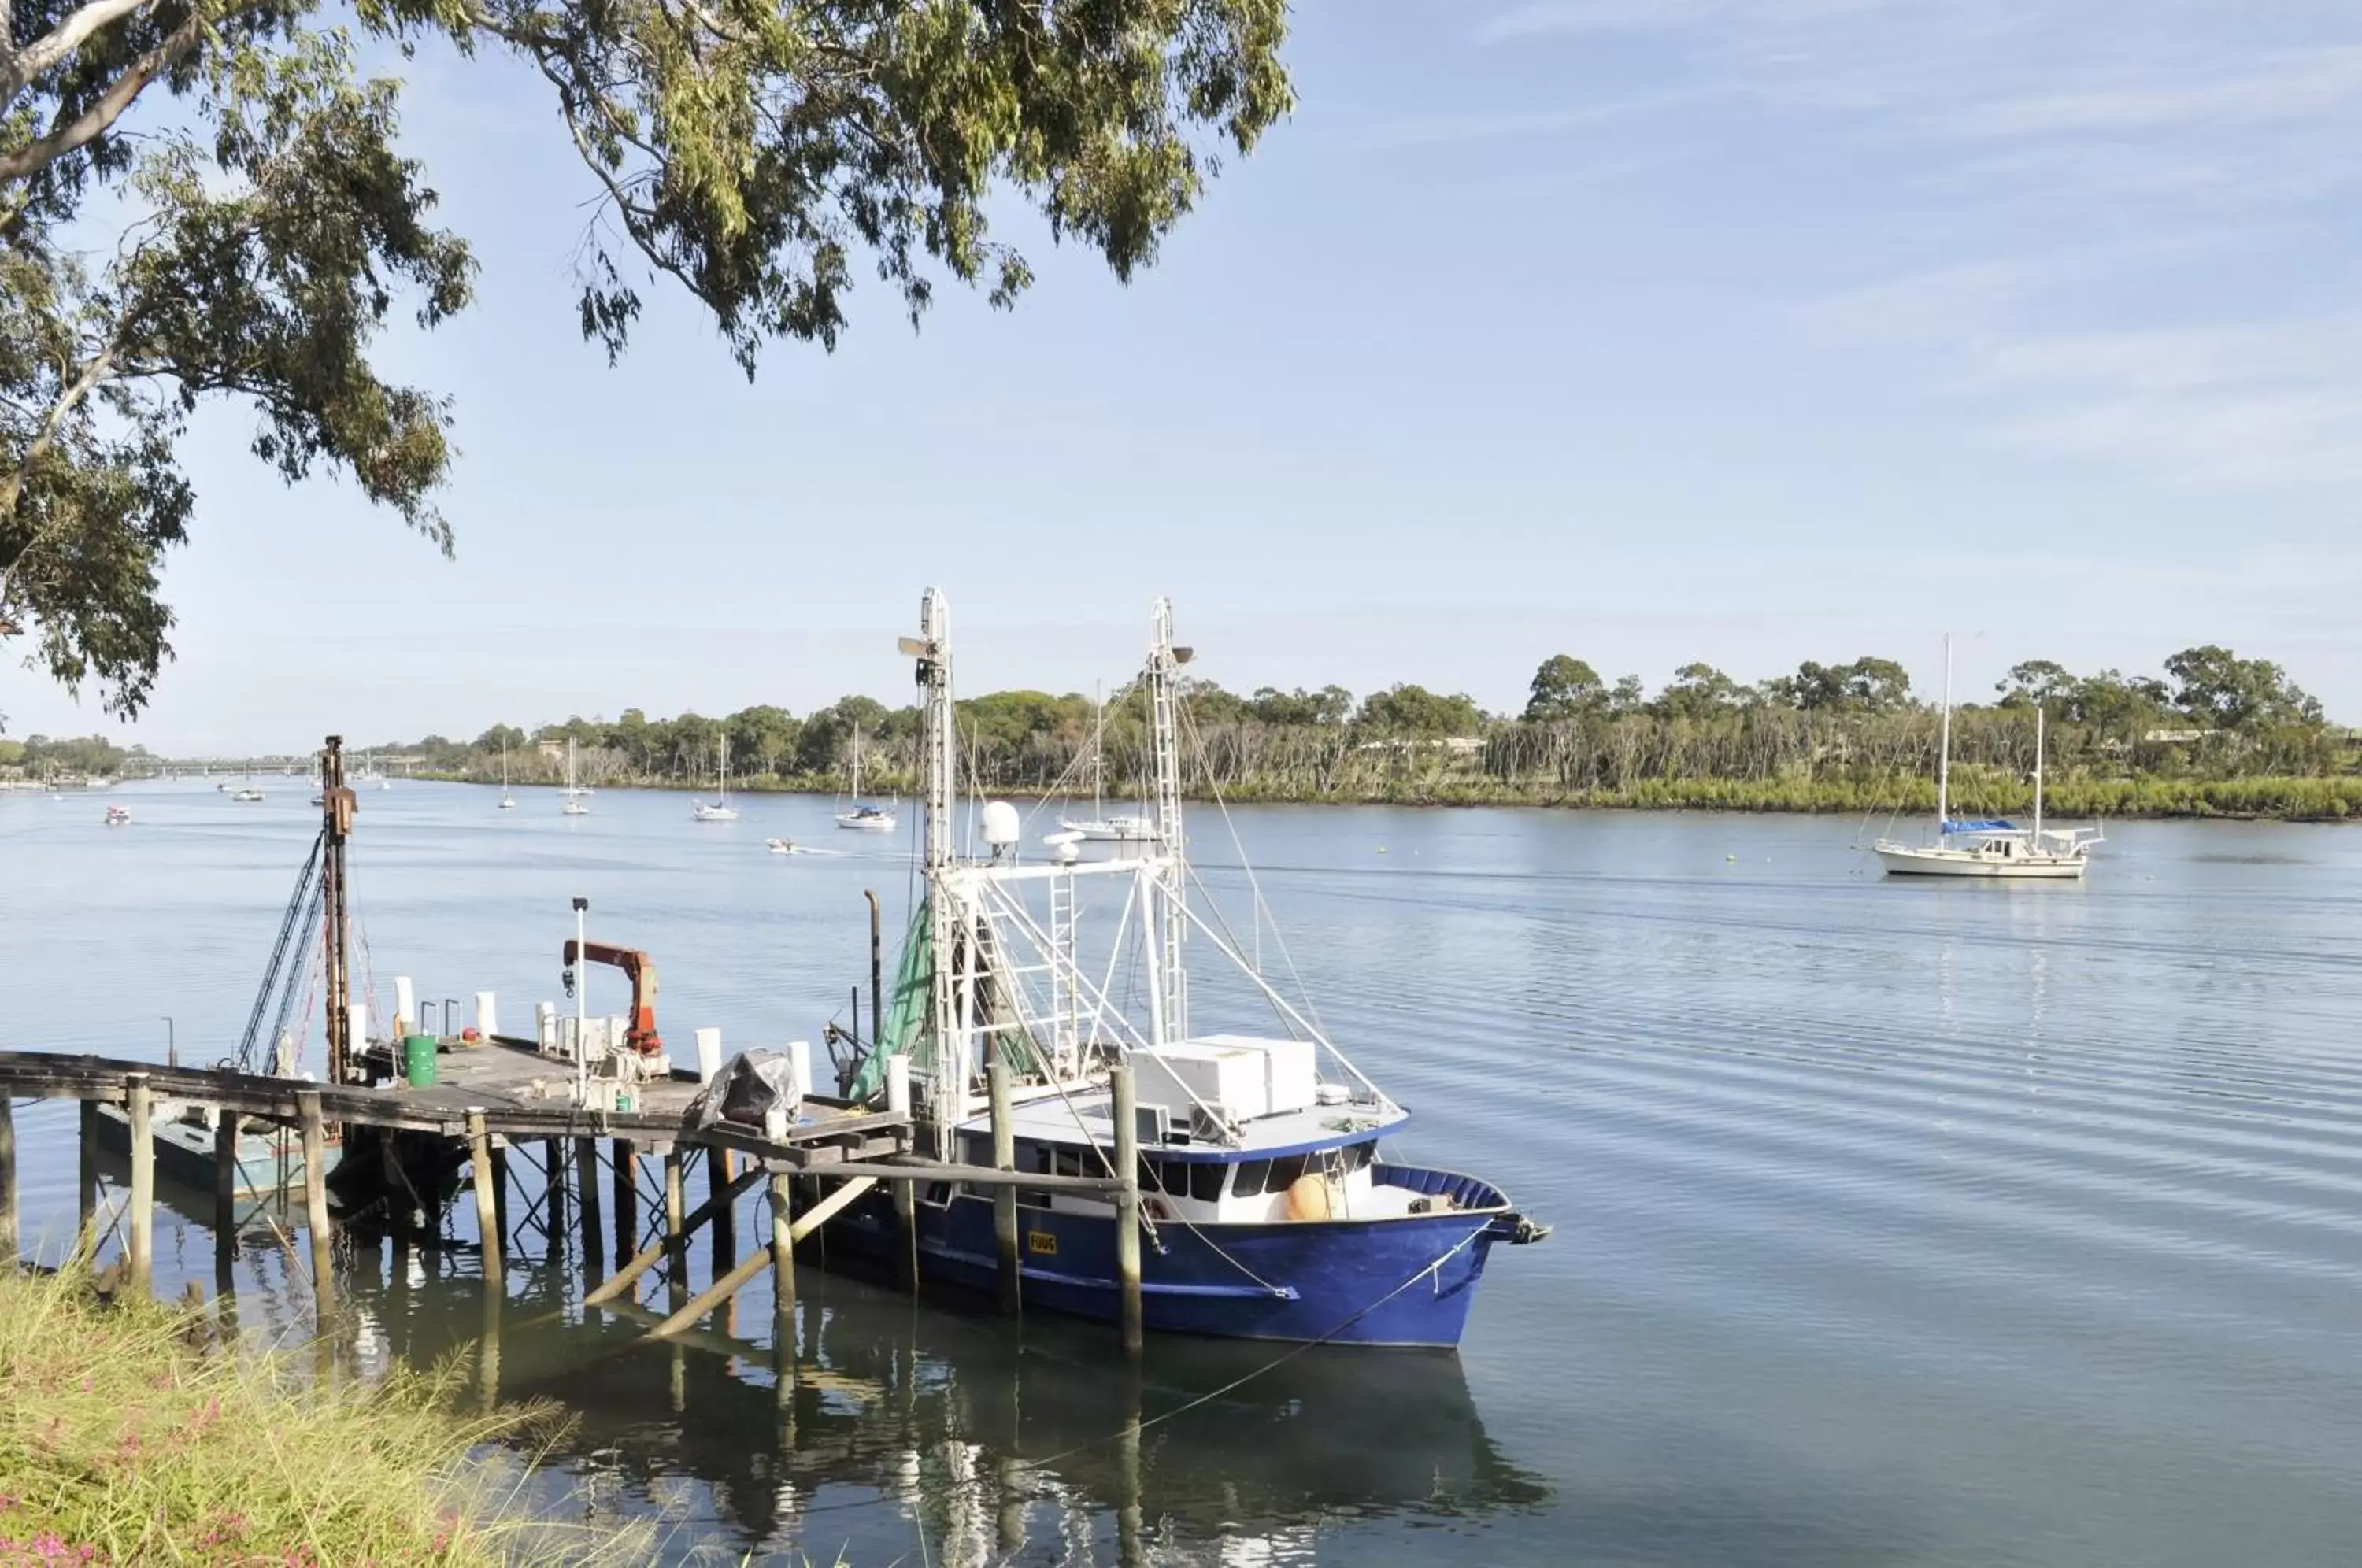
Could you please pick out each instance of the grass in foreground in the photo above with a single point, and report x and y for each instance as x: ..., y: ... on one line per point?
x: 129, y: 1435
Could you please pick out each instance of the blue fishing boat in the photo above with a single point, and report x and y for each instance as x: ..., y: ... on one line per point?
x: 1268, y: 1210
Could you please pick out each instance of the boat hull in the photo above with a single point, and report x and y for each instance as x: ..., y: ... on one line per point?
x: 1960, y: 863
x: 268, y: 1161
x: 1406, y: 1282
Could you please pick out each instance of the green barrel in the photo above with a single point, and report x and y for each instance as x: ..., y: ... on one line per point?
x: 419, y: 1059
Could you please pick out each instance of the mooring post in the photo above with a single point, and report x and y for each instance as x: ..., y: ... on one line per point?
x: 906, y: 1191
x: 586, y: 1192
x: 487, y: 1219
x: 1127, y: 1206
x: 1004, y: 1199
x: 8, y: 1182
x: 721, y: 1171
x: 316, y: 1200
x: 553, y: 1174
x: 500, y: 1193
x: 783, y: 1239
x: 141, y: 1251
x: 226, y: 1125
x: 676, y: 1212
x: 86, y: 1180
x: 627, y: 1200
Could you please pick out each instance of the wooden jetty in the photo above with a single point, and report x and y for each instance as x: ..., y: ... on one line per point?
x: 405, y: 1147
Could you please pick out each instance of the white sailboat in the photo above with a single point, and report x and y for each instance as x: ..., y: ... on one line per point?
x: 508, y: 801
x: 721, y: 811
x: 1989, y: 848
x: 861, y: 818
x: 576, y: 806
x: 1100, y: 827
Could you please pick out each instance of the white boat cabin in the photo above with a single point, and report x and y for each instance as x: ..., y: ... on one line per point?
x: 1233, y: 1130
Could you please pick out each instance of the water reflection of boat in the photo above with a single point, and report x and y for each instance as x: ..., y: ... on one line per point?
x: 1033, y: 1417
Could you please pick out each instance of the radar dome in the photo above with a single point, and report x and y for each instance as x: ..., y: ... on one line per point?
x: 1066, y: 851
x: 1001, y: 824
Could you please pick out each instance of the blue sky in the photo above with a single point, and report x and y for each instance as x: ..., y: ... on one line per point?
x: 1646, y: 330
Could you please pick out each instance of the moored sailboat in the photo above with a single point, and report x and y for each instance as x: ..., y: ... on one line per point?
x: 863, y: 818
x: 1266, y: 1210
x: 721, y: 811
x: 1989, y: 847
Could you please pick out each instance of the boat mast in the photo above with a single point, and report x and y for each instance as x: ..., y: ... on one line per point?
x: 938, y: 761
x: 2039, y: 717
x: 335, y: 824
x: 1165, y: 661
x: 1944, y: 749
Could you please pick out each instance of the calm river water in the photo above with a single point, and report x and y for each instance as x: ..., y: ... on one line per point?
x: 1939, y: 1224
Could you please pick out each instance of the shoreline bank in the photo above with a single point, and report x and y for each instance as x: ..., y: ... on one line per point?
x: 2268, y: 799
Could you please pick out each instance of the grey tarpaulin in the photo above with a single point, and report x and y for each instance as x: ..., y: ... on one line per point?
x: 749, y: 1086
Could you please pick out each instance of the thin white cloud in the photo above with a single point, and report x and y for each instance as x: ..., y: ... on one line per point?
x: 2295, y: 86
x: 2311, y: 437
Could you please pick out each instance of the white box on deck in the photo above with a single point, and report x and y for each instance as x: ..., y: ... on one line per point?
x: 1191, y: 1073
x: 1291, y: 1069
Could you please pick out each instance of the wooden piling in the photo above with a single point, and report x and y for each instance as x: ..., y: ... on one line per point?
x: 500, y: 1195
x: 316, y: 1200
x: 586, y: 1191
x: 226, y: 1126
x: 8, y: 1227
x: 624, y: 1278
x: 1126, y: 1208
x: 906, y: 1190
x: 487, y: 1219
x: 720, y: 1172
x: 626, y: 1185
x: 766, y: 1255
x: 676, y: 1210
x: 141, y: 1252
x: 1004, y: 1199
x: 553, y: 1193
x: 86, y: 1179
x: 783, y: 1239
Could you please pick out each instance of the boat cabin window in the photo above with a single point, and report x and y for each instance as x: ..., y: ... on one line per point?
x: 1205, y: 1180
x: 1252, y: 1174
x: 1286, y: 1173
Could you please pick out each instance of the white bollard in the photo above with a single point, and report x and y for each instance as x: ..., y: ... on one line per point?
x: 897, y: 1086
x: 799, y: 1066
x: 709, y: 1055
x: 488, y: 1017
x: 406, y: 1003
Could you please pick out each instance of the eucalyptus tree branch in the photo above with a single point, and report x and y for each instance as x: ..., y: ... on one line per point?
x: 52, y: 50
x: 92, y: 122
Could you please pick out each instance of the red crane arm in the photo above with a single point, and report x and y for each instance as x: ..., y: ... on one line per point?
x: 640, y: 1029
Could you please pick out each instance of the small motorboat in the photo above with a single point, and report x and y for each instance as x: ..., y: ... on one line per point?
x: 118, y: 816
x: 782, y: 847
x: 250, y: 796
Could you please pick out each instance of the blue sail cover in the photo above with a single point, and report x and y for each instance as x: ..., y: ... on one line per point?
x: 1995, y: 826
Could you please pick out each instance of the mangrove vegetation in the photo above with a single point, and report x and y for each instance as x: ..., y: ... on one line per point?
x: 2214, y: 733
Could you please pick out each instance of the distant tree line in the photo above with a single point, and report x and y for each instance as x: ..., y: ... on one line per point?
x: 1849, y: 734
x: 68, y: 756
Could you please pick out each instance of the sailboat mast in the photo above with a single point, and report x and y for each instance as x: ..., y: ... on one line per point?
x: 945, y: 1079
x: 1163, y: 662
x: 1944, y: 749
x: 2039, y: 717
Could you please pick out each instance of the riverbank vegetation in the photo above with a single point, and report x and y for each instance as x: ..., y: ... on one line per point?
x: 2215, y: 734
x: 129, y: 1434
